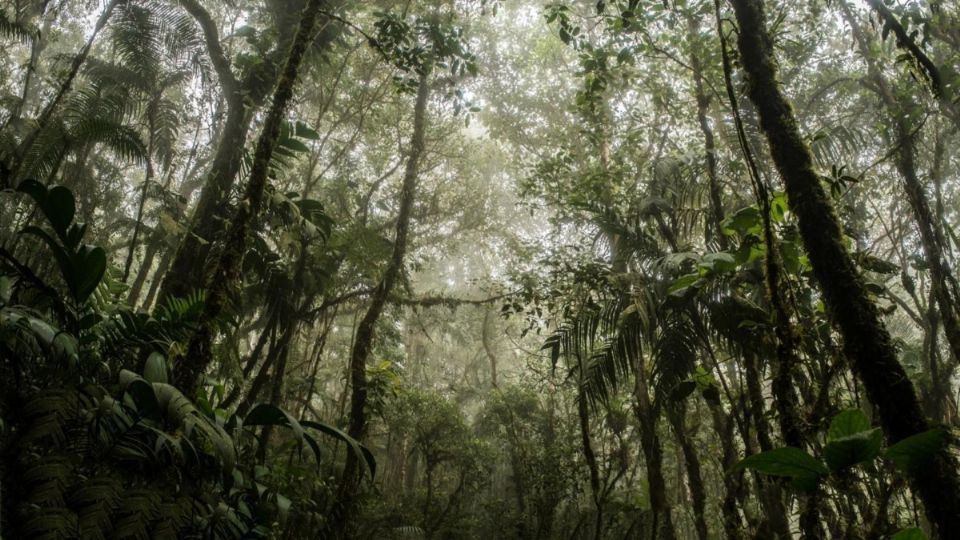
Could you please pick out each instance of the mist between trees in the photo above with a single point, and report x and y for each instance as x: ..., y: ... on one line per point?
x: 304, y: 269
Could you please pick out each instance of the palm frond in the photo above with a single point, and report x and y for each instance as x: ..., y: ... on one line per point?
x: 18, y: 30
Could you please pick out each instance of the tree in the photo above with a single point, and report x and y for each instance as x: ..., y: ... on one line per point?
x: 866, y: 341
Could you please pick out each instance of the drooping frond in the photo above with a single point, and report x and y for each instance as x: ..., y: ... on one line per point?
x: 11, y: 28
x: 838, y: 144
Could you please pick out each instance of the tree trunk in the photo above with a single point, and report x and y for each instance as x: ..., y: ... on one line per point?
x: 137, y: 286
x: 653, y: 458
x: 155, y: 283
x: 363, y: 343
x: 583, y: 414
x: 187, y: 271
x: 488, y: 346
x: 148, y: 177
x: 866, y: 340
x: 226, y: 270
x: 931, y: 236
x: 677, y: 418
x: 709, y: 142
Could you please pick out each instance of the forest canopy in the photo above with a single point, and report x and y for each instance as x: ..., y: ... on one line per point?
x: 626, y: 269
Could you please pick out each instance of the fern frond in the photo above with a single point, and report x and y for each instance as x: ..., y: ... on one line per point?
x: 12, y: 28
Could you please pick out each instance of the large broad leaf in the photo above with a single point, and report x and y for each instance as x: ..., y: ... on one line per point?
x: 265, y: 414
x: 851, y: 450
x: 910, y: 533
x: 744, y: 220
x: 851, y: 440
x: 56, y: 203
x: 91, y: 264
x: 64, y: 259
x: 684, y: 282
x: 718, y: 262
x: 59, y: 208
x: 155, y: 368
x: 305, y: 132
x: 357, y: 448
x: 913, y: 452
x: 141, y: 394
x: 847, y: 423
x: 803, y: 469
x: 683, y: 390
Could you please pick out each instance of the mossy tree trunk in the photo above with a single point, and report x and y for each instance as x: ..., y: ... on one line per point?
x: 647, y: 414
x: 866, y: 341
x: 714, y: 229
x: 243, y: 96
x: 226, y: 270
x: 363, y: 343
x: 677, y: 416
x: 931, y: 235
x: 590, y: 456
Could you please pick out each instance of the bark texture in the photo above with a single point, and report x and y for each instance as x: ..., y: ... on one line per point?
x: 866, y: 341
x: 226, y: 270
x: 363, y: 342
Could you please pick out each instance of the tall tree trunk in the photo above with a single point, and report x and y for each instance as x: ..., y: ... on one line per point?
x: 931, y: 235
x: 677, y: 417
x: 583, y: 414
x: 486, y: 337
x: 148, y: 177
x: 226, y: 270
x: 157, y: 277
x: 363, y: 343
x: 187, y: 271
x: 650, y: 444
x: 770, y: 494
x: 724, y: 425
x: 709, y: 141
x: 137, y: 286
x: 866, y: 340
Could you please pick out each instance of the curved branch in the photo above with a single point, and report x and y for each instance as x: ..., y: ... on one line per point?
x: 214, y: 48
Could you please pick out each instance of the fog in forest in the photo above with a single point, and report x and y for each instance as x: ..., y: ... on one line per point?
x: 457, y: 269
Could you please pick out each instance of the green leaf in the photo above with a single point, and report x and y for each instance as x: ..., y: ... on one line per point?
x: 745, y: 220
x: 141, y: 393
x: 90, y: 268
x: 802, y: 468
x: 59, y: 209
x: 682, y: 390
x: 851, y: 450
x: 847, y: 423
x: 916, y: 450
x: 36, y: 190
x: 910, y: 533
x: 357, y: 448
x: 305, y: 132
x: 778, y: 207
x: 155, y: 368
x: 265, y: 414
x: 719, y: 262
x: 684, y: 282
x: 64, y: 260
x: 295, y: 146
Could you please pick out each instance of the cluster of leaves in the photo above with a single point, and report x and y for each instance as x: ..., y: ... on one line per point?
x: 850, y: 441
x: 96, y: 455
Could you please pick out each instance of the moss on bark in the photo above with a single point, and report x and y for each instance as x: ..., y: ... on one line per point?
x: 866, y: 341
